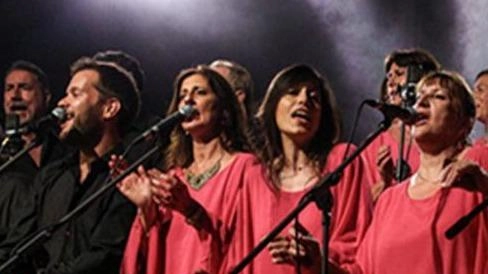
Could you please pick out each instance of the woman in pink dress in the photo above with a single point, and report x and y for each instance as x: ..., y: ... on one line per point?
x: 300, y: 128
x: 480, y: 92
x: 187, y: 213
x: 382, y: 155
x: 407, y: 234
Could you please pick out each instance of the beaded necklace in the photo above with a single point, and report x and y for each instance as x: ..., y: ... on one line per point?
x: 196, y: 181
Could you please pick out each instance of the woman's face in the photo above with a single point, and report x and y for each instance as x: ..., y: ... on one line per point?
x: 298, y: 113
x: 438, y: 120
x: 481, y: 98
x: 396, y: 77
x: 196, y: 91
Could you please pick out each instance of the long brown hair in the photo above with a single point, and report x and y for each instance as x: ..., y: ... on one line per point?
x: 231, y: 129
x: 328, y: 133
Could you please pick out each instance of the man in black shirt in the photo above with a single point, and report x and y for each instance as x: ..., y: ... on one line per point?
x: 26, y: 98
x: 101, y: 101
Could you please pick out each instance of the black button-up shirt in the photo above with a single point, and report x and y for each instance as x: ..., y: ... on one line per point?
x: 16, y: 181
x: 93, y: 241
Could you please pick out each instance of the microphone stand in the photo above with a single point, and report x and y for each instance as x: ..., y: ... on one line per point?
x: 46, y: 233
x: 319, y: 194
x: 37, y: 141
x: 462, y: 223
x: 408, y: 96
x: 402, y: 168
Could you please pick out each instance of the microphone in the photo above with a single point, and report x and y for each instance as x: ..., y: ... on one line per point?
x: 407, y: 92
x: 170, y: 121
x: 12, y: 143
x: 167, y: 123
x: 407, y: 115
x: 57, y: 116
x: 12, y: 125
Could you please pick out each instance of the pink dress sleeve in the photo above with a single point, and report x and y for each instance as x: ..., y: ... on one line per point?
x: 408, y: 235
x: 351, y: 211
x: 174, y: 246
x: 262, y: 206
x: 144, y: 250
x: 370, y: 155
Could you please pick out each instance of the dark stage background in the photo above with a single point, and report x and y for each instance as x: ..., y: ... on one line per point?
x: 345, y: 40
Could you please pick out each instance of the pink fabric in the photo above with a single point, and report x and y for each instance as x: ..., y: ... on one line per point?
x: 263, y: 207
x: 480, y: 142
x: 370, y: 154
x: 407, y: 236
x: 173, y: 246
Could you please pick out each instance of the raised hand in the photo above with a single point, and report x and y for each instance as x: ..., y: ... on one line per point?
x: 137, y: 188
x: 170, y: 192
x: 385, y: 165
x: 297, y: 246
x: 117, y: 165
x: 465, y: 173
x: 386, y: 169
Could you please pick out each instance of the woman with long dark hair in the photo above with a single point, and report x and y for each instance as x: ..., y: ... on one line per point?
x: 300, y: 131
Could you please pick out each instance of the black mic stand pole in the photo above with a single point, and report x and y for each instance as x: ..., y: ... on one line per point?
x: 320, y: 194
x: 402, y: 168
x: 462, y: 223
x: 37, y: 141
x: 408, y: 96
x: 47, y: 232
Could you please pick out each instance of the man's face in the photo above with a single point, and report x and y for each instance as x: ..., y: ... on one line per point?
x: 240, y: 93
x: 83, y: 104
x: 480, y: 93
x: 23, y: 95
x: 395, y: 78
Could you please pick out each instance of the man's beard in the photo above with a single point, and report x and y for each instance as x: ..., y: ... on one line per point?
x: 86, y: 131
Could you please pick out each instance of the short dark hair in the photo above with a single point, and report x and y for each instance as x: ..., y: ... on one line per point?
x: 34, y: 69
x: 414, y: 56
x: 481, y: 73
x: 125, y: 60
x: 408, y: 57
x: 115, y: 81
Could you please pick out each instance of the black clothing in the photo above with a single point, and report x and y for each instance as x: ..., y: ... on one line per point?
x: 138, y: 150
x: 93, y: 241
x: 17, y: 180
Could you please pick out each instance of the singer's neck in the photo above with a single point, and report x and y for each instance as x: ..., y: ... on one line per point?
x: 295, y: 155
x: 107, y: 142
x: 207, y: 151
x: 28, y: 137
x: 433, y: 162
x: 34, y: 153
x: 429, y: 179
